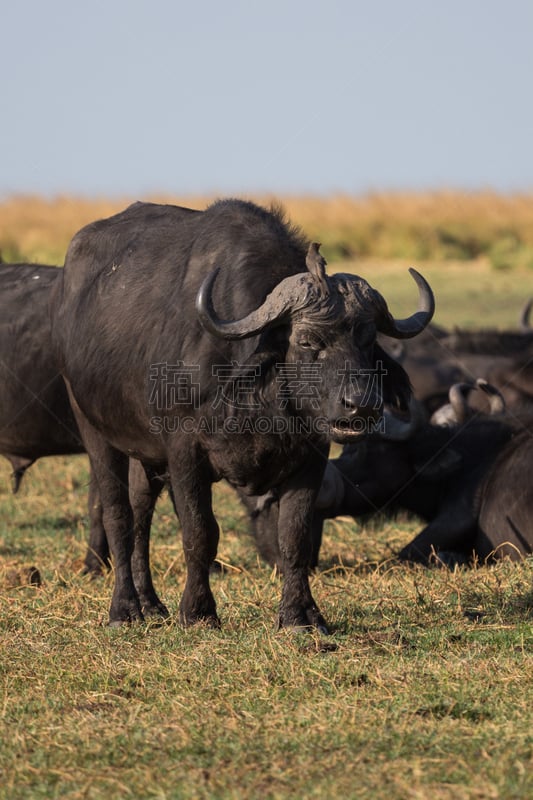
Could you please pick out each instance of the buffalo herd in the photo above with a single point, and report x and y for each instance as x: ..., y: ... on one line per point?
x: 181, y: 347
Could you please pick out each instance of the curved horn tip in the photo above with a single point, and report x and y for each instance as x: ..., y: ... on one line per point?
x: 426, y: 290
x: 272, y: 312
x: 417, y: 322
x: 203, y: 298
x: 458, y: 397
x: 205, y: 289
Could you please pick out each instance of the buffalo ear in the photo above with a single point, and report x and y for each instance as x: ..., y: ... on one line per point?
x: 396, y: 384
x: 441, y: 466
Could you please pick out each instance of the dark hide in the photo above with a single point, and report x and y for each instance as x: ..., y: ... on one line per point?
x: 126, y: 311
x: 36, y: 419
x: 470, y: 483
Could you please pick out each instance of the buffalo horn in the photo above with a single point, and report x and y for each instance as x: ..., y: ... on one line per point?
x: 273, y: 309
x: 496, y: 400
x: 458, y: 401
x: 407, y: 328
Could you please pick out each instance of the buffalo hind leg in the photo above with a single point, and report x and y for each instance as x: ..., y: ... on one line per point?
x: 453, y: 530
x: 145, y: 486
x: 97, y: 557
x: 110, y: 467
x: 191, y: 488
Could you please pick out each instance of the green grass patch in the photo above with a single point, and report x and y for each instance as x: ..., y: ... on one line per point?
x: 423, y: 689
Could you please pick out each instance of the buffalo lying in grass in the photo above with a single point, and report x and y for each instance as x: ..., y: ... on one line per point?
x: 468, y: 479
x: 439, y: 358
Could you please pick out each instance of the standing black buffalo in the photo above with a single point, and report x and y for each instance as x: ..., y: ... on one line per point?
x: 252, y: 391
x: 36, y: 418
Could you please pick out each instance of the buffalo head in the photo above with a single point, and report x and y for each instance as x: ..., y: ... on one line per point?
x: 329, y: 326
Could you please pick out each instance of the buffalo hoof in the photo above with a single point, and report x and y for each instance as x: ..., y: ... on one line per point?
x: 125, y: 613
x: 198, y: 606
x: 413, y: 556
x: 207, y: 620
x: 192, y: 616
x: 449, y: 558
x: 96, y: 567
x: 304, y: 619
x: 120, y: 623
x: 155, y: 610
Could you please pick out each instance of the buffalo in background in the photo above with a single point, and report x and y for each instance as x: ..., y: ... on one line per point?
x: 468, y: 478
x: 438, y: 359
x: 229, y: 295
x: 36, y: 418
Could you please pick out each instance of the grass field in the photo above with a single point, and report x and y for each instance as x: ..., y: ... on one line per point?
x: 434, y: 225
x: 423, y: 690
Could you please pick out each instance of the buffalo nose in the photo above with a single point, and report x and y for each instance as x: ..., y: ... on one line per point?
x: 354, y: 407
x: 351, y: 405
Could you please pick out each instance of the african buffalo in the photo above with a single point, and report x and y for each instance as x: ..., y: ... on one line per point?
x: 35, y: 413
x: 208, y: 344
x: 36, y: 418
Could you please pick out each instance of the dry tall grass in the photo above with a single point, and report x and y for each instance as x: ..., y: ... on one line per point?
x: 438, y: 225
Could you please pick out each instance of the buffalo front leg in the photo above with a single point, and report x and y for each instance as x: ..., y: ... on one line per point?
x: 191, y: 489
x: 295, y: 535
x: 145, y: 486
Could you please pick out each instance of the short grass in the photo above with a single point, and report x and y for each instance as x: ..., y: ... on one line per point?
x: 423, y: 690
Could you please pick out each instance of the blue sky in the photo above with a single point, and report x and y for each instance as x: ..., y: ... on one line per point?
x: 131, y: 98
